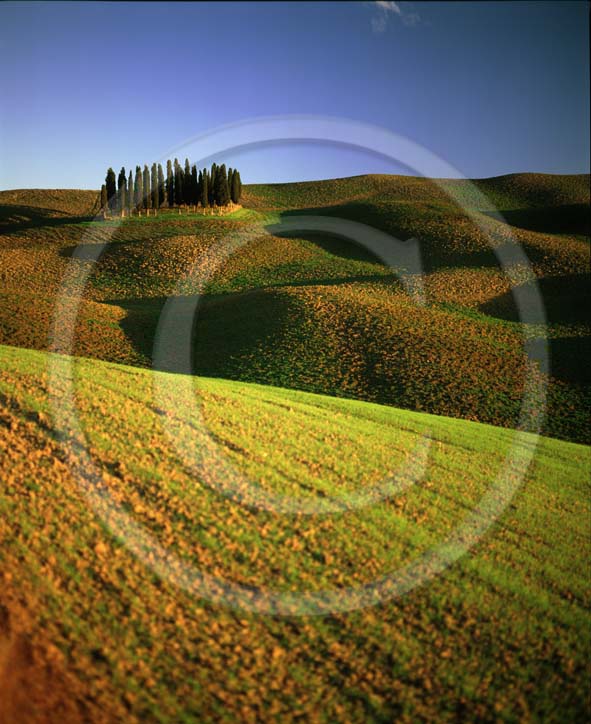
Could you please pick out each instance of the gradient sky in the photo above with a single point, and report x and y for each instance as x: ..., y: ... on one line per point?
x: 491, y: 88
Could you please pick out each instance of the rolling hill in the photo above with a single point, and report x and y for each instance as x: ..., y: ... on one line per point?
x: 89, y: 633
x: 317, y: 313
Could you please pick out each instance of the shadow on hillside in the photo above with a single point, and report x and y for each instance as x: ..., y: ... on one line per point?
x: 565, y: 219
x: 225, y: 334
x: 335, y: 245
x: 569, y: 359
x: 252, y: 337
x: 390, y: 280
x: 436, y: 228
x: 140, y: 321
x: 21, y: 218
x: 84, y: 251
x: 566, y: 300
x: 233, y: 333
x: 246, y: 317
x: 404, y: 222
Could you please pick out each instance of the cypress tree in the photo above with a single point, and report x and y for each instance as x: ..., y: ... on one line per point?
x: 194, y: 186
x: 121, y: 189
x: 178, y: 184
x: 239, y: 186
x: 147, y: 190
x: 199, y: 186
x: 226, y: 188
x: 139, y: 188
x: 160, y: 186
x: 154, y: 181
x: 204, y: 190
x: 111, y: 186
x: 221, y: 186
x: 169, y: 184
x: 123, y: 197
x: 211, y: 184
x: 104, y: 198
x: 187, y: 182
x: 234, y: 188
x: 130, y: 193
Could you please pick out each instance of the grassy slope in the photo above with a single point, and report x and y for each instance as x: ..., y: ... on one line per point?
x: 503, y: 634
x: 340, y: 322
x: 525, y: 190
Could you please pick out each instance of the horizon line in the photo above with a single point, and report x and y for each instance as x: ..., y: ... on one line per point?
x: 335, y: 178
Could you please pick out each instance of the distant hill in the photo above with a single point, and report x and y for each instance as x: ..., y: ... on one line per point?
x: 507, y: 192
x: 520, y: 190
x: 22, y: 203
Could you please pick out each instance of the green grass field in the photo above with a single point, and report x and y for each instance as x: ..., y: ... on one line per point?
x: 502, y: 634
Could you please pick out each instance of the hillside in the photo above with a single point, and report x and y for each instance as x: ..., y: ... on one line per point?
x: 29, y: 205
x: 88, y: 633
x: 507, y: 192
x: 317, y: 313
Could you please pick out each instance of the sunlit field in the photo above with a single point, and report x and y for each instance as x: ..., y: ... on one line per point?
x: 97, y: 635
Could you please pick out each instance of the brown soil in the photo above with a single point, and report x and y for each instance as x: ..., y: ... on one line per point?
x: 33, y: 689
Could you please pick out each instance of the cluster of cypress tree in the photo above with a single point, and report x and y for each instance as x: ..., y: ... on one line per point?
x: 183, y: 186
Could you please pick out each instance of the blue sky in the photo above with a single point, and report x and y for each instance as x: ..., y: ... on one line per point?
x: 491, y: 88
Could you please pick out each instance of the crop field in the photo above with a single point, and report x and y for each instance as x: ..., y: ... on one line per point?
x: 316, y: 378
x: 98, y: 636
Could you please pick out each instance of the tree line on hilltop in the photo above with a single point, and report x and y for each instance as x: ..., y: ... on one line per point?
x: 187, y: 186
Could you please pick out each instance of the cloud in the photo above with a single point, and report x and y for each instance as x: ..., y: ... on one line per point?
x: 384, y: 9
